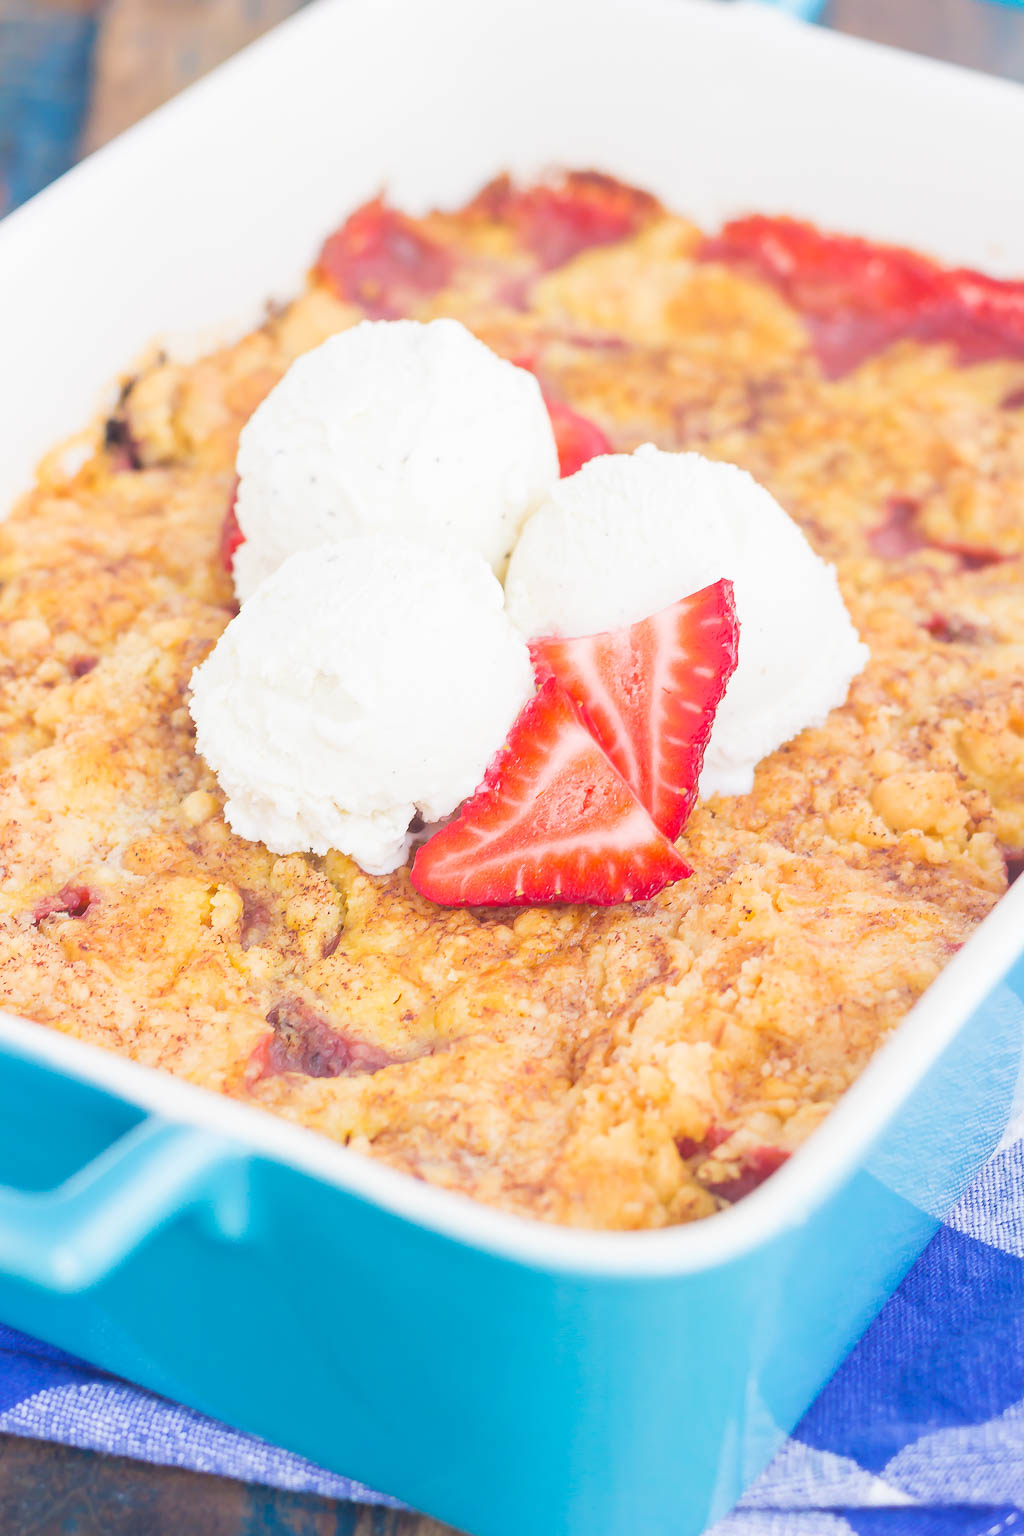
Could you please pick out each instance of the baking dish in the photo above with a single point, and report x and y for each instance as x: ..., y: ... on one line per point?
x: 504, y: 1376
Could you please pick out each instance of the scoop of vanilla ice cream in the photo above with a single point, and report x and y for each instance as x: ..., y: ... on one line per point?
x: 363, y: 682
x: 630, y: 534
x: 419, y: 428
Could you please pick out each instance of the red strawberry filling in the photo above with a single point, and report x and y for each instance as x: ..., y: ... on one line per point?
x: 900, y: 535
x: 576, y: 438
x: 713, y: 1137
x: 756, y: 1166
x: 381, y: 261
x: 553, y: 821
x: 69, y: 901
x: 231, y: 535
x: 558, y: 220
x: 951, y: 629
x: 858, y: 297
x: 302, y: 1041
x: 648, y: 694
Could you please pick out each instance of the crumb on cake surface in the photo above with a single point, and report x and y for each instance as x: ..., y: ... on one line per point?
x: 622, y: 1068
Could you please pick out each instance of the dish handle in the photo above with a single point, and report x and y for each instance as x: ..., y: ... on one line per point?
x: 69, y: 1238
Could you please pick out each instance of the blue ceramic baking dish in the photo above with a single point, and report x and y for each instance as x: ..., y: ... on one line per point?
x: 502, y: 1375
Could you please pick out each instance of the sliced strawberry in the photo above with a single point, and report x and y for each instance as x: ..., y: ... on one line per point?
x: 649, y: 692
x: 576, y: 438
x: 382, y: 261
x: 557, y: 220
x: 552, y: 822
x: 859, y: 297
x: 231, y: 535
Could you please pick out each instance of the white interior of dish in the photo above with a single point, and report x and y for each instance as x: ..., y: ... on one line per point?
x: 189, y: 223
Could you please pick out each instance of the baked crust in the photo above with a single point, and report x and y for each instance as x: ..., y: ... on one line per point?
x: 620, y: 1068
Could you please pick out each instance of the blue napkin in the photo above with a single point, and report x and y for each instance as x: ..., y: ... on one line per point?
x: 919, y: 1433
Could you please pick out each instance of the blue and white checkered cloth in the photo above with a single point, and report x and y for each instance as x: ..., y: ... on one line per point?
x: 920, y: 1432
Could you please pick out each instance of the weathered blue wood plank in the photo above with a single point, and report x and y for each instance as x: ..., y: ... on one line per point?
x: 44, y: 81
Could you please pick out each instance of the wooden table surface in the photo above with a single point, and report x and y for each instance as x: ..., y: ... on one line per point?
x: 51, y: 1490
x: 145, y: 51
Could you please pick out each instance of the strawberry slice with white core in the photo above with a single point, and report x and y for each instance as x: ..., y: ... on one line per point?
x: 552, y: 822
x: 648, y: 694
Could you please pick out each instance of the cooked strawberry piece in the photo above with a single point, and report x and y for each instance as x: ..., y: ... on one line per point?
x: 231, y: 535
x: 552, y: 822
x: 69, y: 901
x: 302, y: 1041
x: 119, y: 443
x: 335, y: 939
x: 756, y: 1166
x: 558, y: 220
x: 257, y: 919
x: 713, y: 1137
x: 649, y: 692
x: 1014, y: 866
x: 825, y: 273
x: 859, y: 297
x: 951, y: 629
x: 380, y: 260
x: 576, y: 438
x: 900, y: 535
x: 975, y: 559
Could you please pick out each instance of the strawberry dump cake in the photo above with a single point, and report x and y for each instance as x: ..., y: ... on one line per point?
x: 437, y: 881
